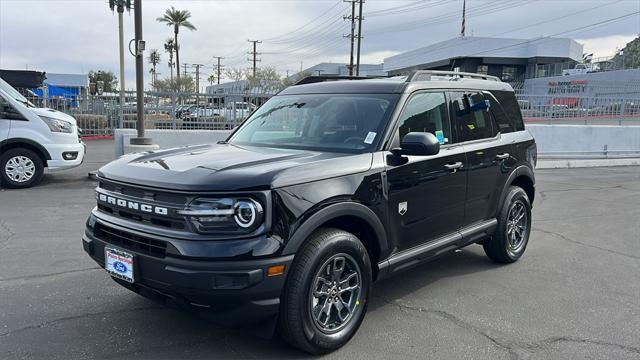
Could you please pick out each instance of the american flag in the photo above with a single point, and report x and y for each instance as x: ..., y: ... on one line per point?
x: 464, y: 13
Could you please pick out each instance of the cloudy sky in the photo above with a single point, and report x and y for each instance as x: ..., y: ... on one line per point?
x: 75, y: 36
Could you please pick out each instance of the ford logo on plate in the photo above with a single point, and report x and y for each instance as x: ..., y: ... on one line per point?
x: 120, y: 267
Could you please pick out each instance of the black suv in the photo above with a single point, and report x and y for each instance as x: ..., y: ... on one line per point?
x: 326, y: 188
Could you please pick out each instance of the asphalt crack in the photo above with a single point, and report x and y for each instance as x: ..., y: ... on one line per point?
x: 39, y: 276
x: 513, y: 353
x: 568, y: 239
x: 76, y: 317
x: 515, y: 349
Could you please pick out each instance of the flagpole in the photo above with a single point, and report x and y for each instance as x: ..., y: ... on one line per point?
x: 464, y: 15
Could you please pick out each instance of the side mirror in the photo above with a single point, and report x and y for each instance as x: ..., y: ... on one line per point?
x: 420, y: 143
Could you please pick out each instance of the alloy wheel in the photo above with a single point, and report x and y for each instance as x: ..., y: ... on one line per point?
x: 517, y: 224
x: 335, y: 293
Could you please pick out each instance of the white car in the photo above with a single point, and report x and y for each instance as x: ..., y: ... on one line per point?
x: 582, y: 69
x: 239, y: 109
x: 33, y: 138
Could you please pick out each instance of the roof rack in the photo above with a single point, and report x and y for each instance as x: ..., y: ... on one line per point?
x: 323, y: 78
x: 425, y: 75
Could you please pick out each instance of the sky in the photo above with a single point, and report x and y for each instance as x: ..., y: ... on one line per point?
x: 76, y: 36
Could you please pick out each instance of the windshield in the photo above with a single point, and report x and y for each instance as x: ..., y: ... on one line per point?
x: 324, y: 122
x: 14, y: 93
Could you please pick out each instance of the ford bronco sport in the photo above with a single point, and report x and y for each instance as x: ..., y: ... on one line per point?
x: 326, y: 188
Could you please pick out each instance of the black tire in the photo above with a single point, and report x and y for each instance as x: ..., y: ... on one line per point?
x: 322, y: 250
x: 502, y: 247
x: 34, y: 162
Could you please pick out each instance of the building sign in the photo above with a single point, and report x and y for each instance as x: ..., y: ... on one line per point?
x: 567, y: 87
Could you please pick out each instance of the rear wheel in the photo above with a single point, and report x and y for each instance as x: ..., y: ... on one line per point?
x: 20, y: 168
x: 327, y: 292
x: 514, y: 226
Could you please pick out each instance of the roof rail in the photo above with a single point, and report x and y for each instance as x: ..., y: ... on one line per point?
x: 323, y: 78
x: 425, y: 75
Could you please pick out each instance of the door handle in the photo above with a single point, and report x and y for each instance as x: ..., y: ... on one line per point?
x: 453, y: 166
x: 502, y: 156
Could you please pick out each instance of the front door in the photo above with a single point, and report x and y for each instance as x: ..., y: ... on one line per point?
x: 426, y: 193
x: 488, y: 158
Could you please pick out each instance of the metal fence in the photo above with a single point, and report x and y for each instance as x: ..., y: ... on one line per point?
x: 99, y: 115
x: 603, y: 64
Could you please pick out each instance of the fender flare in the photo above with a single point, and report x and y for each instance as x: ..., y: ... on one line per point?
x: 518, y: 171
x: 334, y: 211
x: 31, y: 143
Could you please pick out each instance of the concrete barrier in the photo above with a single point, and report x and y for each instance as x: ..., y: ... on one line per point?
x: 555, y: 142
x: 170, y: 138
x: 586, y: 141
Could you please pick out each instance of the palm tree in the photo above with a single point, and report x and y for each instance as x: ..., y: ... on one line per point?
x: 170, y: 47
x: 154, y: 60
x: 211, y: 79
x: 177, y: 19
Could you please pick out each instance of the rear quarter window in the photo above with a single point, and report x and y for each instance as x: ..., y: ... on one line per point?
x: 509, y: 104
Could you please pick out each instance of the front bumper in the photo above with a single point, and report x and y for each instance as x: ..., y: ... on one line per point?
x: 233, y: 292
x: 58, y: 162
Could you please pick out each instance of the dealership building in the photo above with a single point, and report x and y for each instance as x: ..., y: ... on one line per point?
x: 508, y: 59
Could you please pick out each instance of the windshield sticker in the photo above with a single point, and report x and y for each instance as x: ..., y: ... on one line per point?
x: 440, y: 136
x: 370, y: 136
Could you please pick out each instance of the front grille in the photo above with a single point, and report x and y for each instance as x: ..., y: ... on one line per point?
x: 130, y: 241
x: 144, y: 196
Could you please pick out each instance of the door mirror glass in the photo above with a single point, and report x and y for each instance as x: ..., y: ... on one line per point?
x: 420, y: 143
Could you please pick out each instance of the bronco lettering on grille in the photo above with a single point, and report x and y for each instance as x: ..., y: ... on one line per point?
x: 133, y: 205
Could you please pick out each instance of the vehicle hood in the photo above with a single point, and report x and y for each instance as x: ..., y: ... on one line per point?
x: 54, y: 114
x: 226, y: 167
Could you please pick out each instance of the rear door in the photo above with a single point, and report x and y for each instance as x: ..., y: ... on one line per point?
x: 488, y: 153
x: 5, y: 119
x: 426, y: 193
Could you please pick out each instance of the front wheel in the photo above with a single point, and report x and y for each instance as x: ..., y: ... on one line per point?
x: 20, y: 168
x: 514, y: 226
x: 327, y: 293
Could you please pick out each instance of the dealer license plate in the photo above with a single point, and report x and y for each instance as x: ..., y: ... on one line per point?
x: 119, y: 264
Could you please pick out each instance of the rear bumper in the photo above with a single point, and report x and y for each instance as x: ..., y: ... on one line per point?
x: 232, y: 292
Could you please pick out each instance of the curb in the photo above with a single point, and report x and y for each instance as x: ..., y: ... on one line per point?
x: 96, y: 137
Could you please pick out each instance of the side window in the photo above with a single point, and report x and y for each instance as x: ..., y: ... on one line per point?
x: 503, y: 122
x: 7, y: 112
x: 426, y: 112
x: 509, y: 104
x: 473, y: 119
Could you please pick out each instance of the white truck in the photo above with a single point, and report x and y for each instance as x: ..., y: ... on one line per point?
x: 33, y: 138
x: 579, y: 69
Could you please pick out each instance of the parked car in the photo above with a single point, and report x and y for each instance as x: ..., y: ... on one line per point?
x: 585, y: 68
x: 33, y: 138
x: 239, y: 109
x: 323, y: 190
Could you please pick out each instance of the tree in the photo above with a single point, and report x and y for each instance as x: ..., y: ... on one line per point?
x: 266, y: 78
x: 183, y: 84
x: 177, y: 19
x: 154, y: 60
x: 211, y: 79
x: 295, y: 78
x: 170, y: 47
x: 629, y: 56
x: 108, y: 79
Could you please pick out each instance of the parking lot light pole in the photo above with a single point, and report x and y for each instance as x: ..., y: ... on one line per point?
x: 140, y: 140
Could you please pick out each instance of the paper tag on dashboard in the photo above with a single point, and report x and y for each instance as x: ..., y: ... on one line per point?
x: 370, y: 137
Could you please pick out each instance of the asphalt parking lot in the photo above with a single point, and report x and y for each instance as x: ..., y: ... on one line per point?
x: 574, y: 295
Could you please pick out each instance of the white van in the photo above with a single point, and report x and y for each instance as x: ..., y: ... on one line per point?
x: 33, y: 138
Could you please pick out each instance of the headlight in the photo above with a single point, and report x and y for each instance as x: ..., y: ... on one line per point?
x: 224, y: 215
x: 56, y: 125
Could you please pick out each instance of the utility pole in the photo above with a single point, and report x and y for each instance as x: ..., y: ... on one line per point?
x: 464, y: 16
x: 352, y: 36
x: 185, y: 69
x: 219, y: 67
x: 140, y: 45
x: 254, y: 54
x: 120, y: 6
x: 360, y: 18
